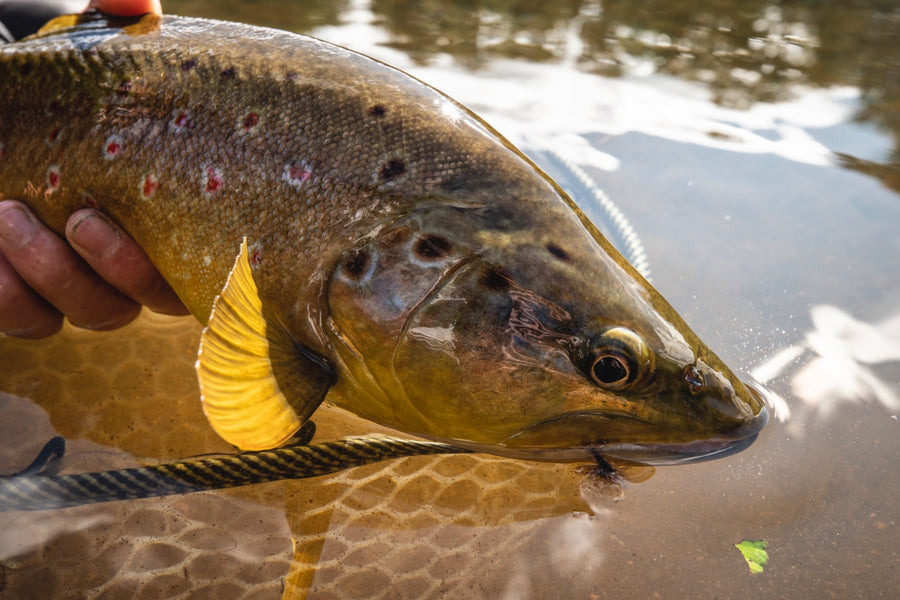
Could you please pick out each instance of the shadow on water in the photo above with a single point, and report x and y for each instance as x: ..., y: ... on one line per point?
x: 753, y: 145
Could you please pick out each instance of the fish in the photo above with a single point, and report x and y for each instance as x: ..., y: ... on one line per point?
x: 340, y: 226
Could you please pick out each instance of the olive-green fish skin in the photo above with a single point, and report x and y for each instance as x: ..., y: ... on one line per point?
x: 456, y: 292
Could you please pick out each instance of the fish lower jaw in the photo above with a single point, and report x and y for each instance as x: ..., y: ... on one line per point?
x: 647, y: 454
x: 654, y: 454
x: 677, y: 454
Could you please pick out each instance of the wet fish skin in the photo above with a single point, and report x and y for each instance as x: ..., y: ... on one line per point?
x: 454, y: 290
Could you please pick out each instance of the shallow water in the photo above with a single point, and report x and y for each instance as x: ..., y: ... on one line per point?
x: 753, y: 149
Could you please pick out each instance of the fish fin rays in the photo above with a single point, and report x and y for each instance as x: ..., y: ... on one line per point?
x: 258, y: 387
x: 60, y: 23
x: 136, y: 25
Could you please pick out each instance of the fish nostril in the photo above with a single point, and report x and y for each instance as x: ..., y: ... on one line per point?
x: 694, y: 378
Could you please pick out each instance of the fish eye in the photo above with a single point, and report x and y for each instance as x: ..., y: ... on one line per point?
x: 617, y: 358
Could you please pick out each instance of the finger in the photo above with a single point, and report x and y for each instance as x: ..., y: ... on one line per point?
x: 22, y: 312
x: 53, y: 269
x: 127, y: 8
x: 120, y: 261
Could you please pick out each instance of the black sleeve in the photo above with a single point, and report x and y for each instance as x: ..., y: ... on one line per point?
x: 19, y: 18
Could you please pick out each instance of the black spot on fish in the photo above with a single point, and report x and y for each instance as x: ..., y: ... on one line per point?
x: 495, y: 279
x: 187, y: 65
x: 355, y: 263
x: 228, y: 73
x: 432, y: 247
x: 124, y: 89
x: 557, y: 251
x: 25, y: 68
x: 377, y: 111
x: 392, y: 168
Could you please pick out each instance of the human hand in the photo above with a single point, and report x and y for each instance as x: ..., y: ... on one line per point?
x: 127, y: 8
x: 98, y: 277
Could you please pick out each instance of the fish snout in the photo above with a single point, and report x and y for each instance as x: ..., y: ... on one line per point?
x: 739, y: 408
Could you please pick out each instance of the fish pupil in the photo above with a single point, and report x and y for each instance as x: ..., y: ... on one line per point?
x: 608, y: 369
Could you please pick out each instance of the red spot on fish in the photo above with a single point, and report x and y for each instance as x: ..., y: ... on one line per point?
x: 255, y: 257
x: 296, y: 175
x: 188, y: 64
x: 213, y: 180
x: 228, y: 73
x: 89, y: 201
x: 299, y: 174
x: 53, y: 177
x: 183, y: 121
x: 113, y: 146
x: 53, y: 136
x: 150, y: 185
x: 124, y: 89
x: 250, y: 121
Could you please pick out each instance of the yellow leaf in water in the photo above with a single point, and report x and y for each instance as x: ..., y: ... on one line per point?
x: 755, y: 554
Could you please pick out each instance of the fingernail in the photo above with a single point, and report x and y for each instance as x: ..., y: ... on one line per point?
x: 95, y: 235
x: 17, y: 227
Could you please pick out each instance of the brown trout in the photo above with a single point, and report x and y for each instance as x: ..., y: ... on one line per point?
x: 390, y: 246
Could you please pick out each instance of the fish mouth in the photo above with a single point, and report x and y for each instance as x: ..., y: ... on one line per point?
x: 679, y: 454
x: 650, y: 453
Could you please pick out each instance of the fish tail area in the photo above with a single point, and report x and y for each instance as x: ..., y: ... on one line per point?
x: 39, y: 492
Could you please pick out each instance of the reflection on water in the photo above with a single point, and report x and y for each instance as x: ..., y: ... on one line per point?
x: 743, y: 52
x: 715, y: 127
x: 845, y: 352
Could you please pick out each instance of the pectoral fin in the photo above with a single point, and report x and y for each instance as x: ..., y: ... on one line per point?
x: 257, y: 385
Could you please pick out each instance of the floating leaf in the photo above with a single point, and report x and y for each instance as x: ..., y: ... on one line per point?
x: 755, y: 554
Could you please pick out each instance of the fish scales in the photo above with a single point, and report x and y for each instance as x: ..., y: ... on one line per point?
x: 196, y: 133
x: 390, y: 246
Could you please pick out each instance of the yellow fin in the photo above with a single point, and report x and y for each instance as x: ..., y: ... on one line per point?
x: 137, y: 25
x: 60, y: 23
x: 247, y: 363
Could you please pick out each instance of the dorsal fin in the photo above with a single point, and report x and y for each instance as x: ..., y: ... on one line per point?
x: 60, y: 23
x: 136, y: 25
x: 256, y: 384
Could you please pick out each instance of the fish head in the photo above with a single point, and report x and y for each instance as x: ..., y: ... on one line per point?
x: 526, y: 335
